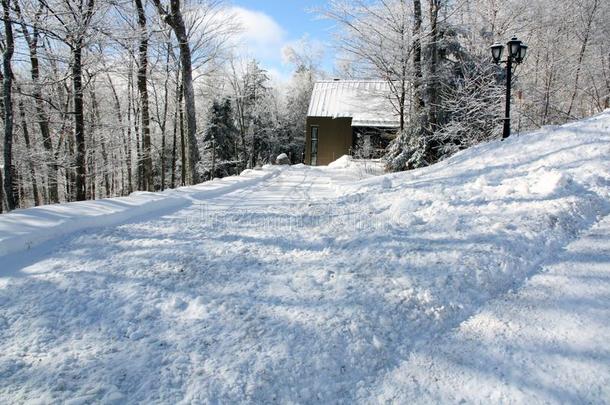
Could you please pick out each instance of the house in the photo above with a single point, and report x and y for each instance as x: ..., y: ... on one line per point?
x: 349, y: 117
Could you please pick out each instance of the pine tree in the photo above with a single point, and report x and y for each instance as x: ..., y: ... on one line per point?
x: 220, y: 139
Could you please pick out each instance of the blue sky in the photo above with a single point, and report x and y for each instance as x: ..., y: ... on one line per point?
x: 270, y: 26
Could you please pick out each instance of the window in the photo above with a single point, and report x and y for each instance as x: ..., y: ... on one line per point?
x: 314, y: 146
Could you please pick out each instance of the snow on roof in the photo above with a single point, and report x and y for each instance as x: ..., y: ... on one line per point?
x: 367, y: 102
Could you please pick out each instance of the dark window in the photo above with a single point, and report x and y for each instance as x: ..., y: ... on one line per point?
x: 314, y: 146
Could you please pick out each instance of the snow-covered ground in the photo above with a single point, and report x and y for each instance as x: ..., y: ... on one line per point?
x: 315, y: 285
x: 546, y: 342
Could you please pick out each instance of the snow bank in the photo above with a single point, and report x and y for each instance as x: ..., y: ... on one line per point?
x: 22, y: 229
x: 348, y: 162
x: 343, y: 162
x: 356, y: 168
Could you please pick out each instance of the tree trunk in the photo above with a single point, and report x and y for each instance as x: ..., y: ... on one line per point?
x: 174, y: 147
x: 175, y: 140
x: 98, y: 119
x: 2, y: 98
x: 418, y: 100
x: 402, y: 99
x: 9, y: 169
x: 136, y: 130
x: 147, y: 174
x: 1, y: 193
x: 26, y: 138
x: 126, y: 144
x: 91, y: 190
x: 70, y: 172
x: 182, y: 140
x: 607, y: 77
x: 432, y: 85
x: 19, y: 185
x: 79, y: 121
x: 189, y: 101
x: 163, y: 120
x: 213, y: 160
x: 128, y: 147
x: 64, y: 98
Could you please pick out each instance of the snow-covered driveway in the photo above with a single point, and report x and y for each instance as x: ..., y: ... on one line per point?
x: 232, y: 298
x: 311, y: 285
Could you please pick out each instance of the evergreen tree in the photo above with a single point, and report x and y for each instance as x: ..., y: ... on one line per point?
x: 220, y: 139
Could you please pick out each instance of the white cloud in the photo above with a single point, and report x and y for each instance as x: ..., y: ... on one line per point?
x: 261, y: 36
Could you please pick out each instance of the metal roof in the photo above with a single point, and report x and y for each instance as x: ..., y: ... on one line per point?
x: 367, y: 102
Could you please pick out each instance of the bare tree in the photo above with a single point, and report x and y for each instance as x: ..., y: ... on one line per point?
x: 147, y: 177
x: 28, y: 145
x: 33, y: 41
x: 74, y: 19
x: 418, y: 99
x: 7, y: 96
x: 589, y: 17
x: 377, y: 39
x: 173, y: 17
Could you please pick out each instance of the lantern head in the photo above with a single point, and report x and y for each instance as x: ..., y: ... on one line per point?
x: 496, y: 52
x: 522, y: 53
x: 513, y: 48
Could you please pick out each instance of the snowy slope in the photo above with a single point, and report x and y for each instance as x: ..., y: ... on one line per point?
x: 23, y: 229
x: 333, y: 285
x: 547, y: 342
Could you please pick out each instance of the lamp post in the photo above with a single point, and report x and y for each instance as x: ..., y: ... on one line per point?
x: 516, y: 54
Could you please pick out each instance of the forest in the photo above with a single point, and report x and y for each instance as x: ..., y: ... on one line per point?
x: 102, y: 98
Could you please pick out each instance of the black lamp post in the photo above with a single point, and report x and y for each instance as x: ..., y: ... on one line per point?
x: 516, y: 54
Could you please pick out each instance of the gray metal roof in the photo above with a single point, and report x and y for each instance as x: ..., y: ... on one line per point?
x: 367, y: 102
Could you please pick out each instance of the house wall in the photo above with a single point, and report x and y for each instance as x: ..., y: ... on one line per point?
x: 335, y: 137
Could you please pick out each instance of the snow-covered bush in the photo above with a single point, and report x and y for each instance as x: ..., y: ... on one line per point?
x: 282, y: 159
x: 471, y: 102
x: 408, y: 150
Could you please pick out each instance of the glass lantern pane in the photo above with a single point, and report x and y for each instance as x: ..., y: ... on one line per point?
x: 514, y: 45
x: 497, y: 52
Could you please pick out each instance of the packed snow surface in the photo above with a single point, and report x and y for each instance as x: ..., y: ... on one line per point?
x: 485, y: 278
